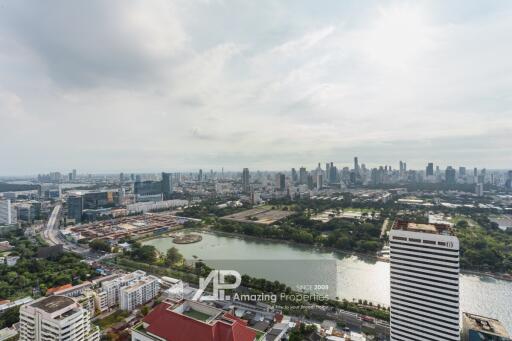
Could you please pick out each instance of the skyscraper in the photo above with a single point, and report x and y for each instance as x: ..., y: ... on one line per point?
x: 167, y: 185
x: 450, y: 175
x: 303, y: 176
x: 430, y: 169
x: 462, y: 172
x: 245, y: 180
x: 294, y: 175
x: 75, y: 206
x: 424, y: 282
x: 200, y: 176
x: 356, y: 166
x: 280, y: 181
x: 319, y: 181
x: 7, y: 212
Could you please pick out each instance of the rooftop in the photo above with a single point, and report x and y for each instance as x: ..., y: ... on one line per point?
x: 186, y: 320
x: 485, y: 324
x: 52, y: 304
x: 425, y: 228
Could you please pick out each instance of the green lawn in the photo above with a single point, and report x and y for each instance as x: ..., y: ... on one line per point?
x: 197, y: 315
x: 456, y: 218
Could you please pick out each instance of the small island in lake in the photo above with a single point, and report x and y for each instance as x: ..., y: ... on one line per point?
x: 187, y: 238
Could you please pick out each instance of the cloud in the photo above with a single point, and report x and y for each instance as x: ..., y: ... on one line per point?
x: 181, y: 84
x: 93, y: 43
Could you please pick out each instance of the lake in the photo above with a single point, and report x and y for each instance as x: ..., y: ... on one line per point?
x: 336, y: 274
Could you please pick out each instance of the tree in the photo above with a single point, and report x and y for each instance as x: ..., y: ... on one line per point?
x: 100, y: 245
x: 462, y: 224
x: 173, y: 256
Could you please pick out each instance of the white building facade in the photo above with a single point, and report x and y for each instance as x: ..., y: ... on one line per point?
x: 58, y: 318
x: 424, y: 284
x: 113, y: 287
x: 8, y: 214
x: 138, y: 293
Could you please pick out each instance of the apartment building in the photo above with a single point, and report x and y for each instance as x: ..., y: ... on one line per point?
x: 139, y: 292
x: 424, y: 277
x: 57, y: 318
x: 112, y: 288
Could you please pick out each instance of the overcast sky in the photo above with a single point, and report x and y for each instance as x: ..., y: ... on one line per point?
x: 109, y: 86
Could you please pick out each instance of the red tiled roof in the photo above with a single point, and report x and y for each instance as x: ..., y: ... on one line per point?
x: 62, y: 287
x: 172, y: 326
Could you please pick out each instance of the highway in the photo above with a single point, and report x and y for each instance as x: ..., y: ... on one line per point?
x: 52, y: 236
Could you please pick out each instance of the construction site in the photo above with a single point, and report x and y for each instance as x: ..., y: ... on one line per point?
x: 139, y: 226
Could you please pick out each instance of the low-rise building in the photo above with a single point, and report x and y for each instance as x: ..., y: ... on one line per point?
x: 480, y: 328
x: 189, y: 320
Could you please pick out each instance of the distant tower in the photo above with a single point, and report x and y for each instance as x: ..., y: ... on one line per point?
x: 245, y: 180
x: 430, y: 169
x: 356, y: 165
x: 294, y: 175
x: 280, y: 181
x: 167, y: 187
x: 319, y: 181
x: 303, y: 176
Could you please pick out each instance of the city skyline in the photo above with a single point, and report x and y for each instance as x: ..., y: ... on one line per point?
x: 171, y: 83
x: 310, y: 166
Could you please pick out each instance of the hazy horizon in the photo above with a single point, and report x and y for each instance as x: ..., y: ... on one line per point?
x: 166, y: 85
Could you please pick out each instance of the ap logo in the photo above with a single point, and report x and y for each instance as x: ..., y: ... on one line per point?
x: 218, y: 279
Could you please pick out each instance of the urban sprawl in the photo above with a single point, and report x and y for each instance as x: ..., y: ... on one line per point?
x: 76, y: 264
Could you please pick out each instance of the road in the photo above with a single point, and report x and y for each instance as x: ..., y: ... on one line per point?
x: 52, y: 236
x: 384, y: 228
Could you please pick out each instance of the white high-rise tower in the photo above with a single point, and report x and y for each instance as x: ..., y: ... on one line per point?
x: 424, y: 282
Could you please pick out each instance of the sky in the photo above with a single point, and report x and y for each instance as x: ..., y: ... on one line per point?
x: 137, y: 86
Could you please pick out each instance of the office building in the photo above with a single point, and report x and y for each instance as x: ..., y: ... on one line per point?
x: 295, y: 177
x: 75, y: 206
x: 189, y: 320
x: 356, y: 166
x: 319, y: 181
x: 280, y: 181
x: 508, y: 182
x: 480, y: 328
x: 430, y: 169
x: 246, y: 178
x: 7, y: 212
x: 310, y: 181
x: 303, y: 176
x: 138, y: 292
x: 462, y: 172
x: 424, y: 282
x: 450, y: 176
x: 333, y: 174
x: 56, y: 318
x: 167, y: 185
x: 148, y: 190
x: 479, y: 189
